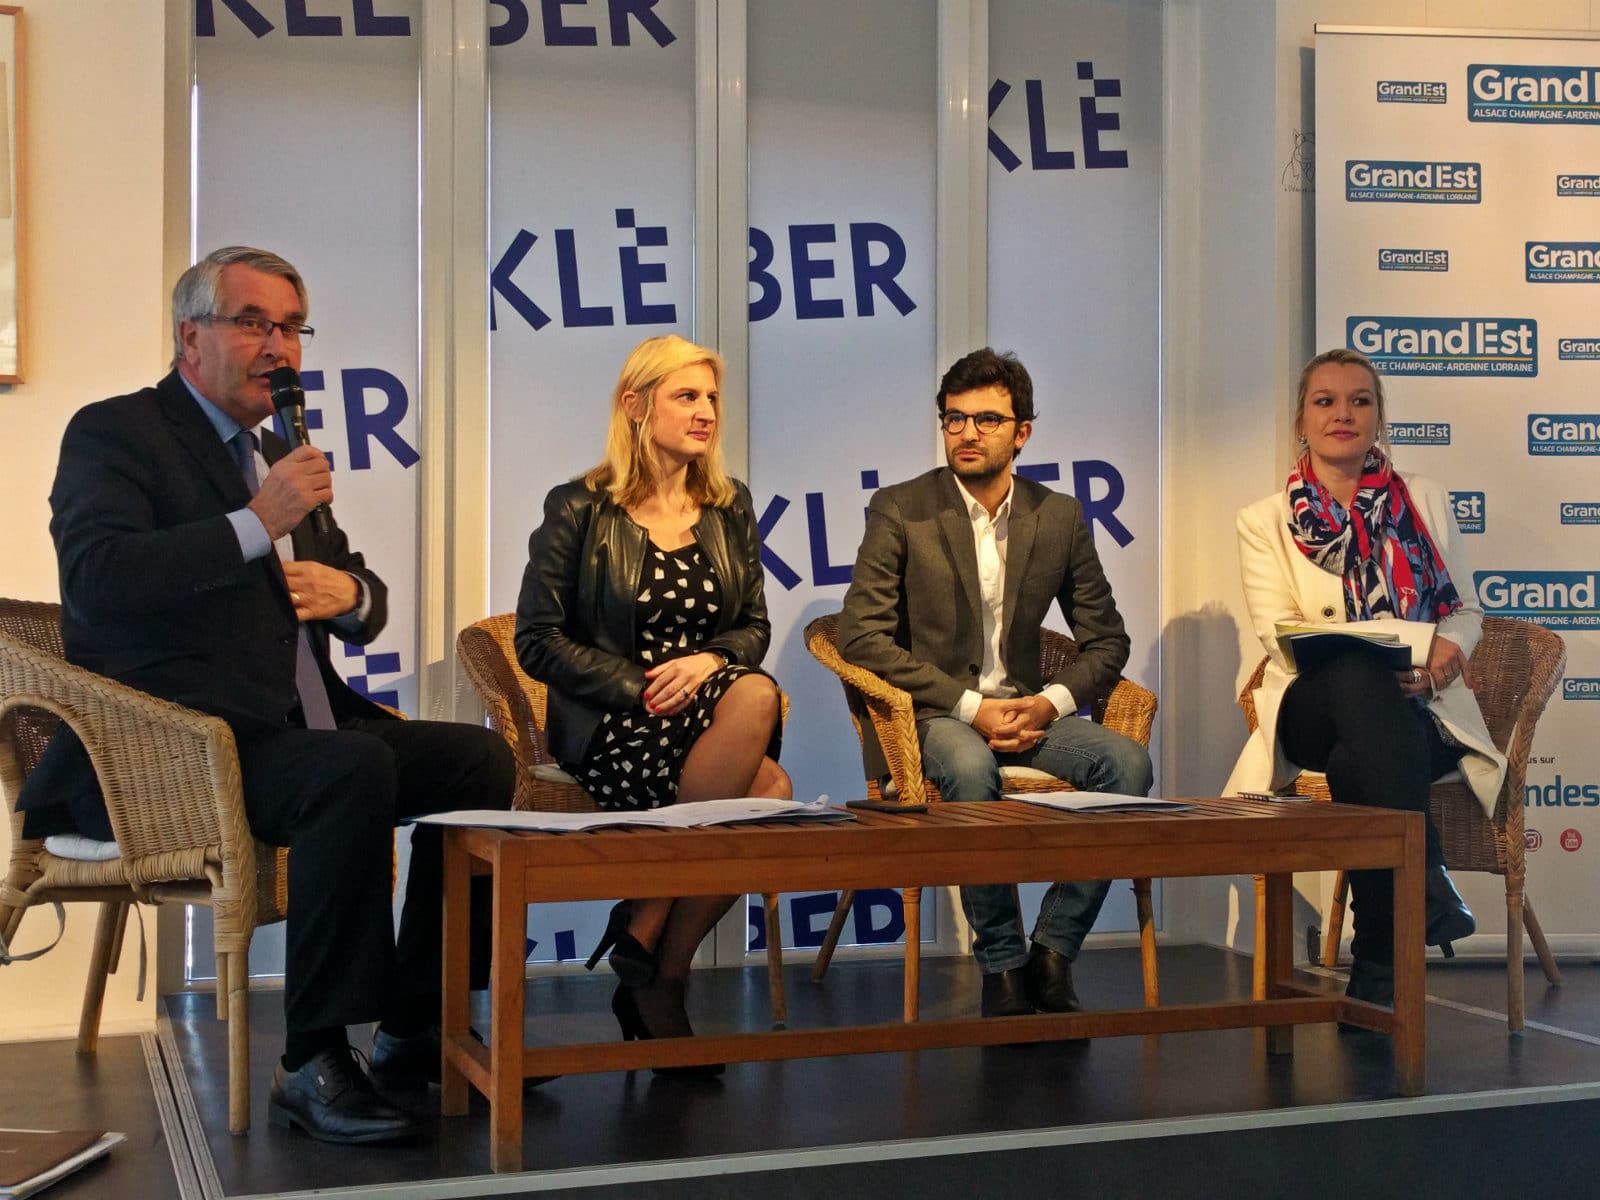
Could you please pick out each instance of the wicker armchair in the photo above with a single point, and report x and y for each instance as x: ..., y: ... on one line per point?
x: 1516, y: 666
x: 170, y: 777
x: 1129, y: 709
x: 517, y: 705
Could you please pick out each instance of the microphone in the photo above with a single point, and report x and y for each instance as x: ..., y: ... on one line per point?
x: 290, y: 401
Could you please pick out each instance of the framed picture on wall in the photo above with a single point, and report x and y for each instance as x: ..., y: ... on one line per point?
x: 10, y: 193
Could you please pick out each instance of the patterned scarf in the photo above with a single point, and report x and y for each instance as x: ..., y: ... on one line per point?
x: 1380, y: 548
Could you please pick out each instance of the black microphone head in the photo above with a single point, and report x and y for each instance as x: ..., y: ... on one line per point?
x: 286, y: 391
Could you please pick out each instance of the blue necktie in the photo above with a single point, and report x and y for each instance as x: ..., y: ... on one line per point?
x: 314, y: 705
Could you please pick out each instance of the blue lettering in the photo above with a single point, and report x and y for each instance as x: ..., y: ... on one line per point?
x: 558, y: 34
x: 1044, y: 159
x: 1003, y: 154
x: 874, y: 900
x: 781, y: 571
x: 1103, y: 510
x: 500, y: 281
x: 636, y: 274
x: 297, y: 23
x: 823, y: 573
x: 804, y: 911
x: 205, y: 18
x: 360, y: 425
x: 368, y: 24
x: 1095, y: 122
x: 807, y: 270
x: 642, y: 11
x: 771, y: 297
x: 863, y: 234
x: 574, y: 313
x: 513, y: 29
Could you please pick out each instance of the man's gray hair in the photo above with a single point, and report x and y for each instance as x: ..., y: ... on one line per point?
x: 195, y: 296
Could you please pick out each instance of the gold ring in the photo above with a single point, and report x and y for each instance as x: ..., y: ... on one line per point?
x: 295, y: 596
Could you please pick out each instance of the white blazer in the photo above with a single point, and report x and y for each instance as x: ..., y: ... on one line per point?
x: 1282, y: 584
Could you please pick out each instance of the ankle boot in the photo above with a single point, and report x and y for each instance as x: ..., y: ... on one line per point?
x: 633, y: 964
x: 656, y: 1011
x: 1446, y: 915
x: 1371, y: 981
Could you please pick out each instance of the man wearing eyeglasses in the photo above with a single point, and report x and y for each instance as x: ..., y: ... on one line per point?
x: 956, y: 572
x: 191, y: 568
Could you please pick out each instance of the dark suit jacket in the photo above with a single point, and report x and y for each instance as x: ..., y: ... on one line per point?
x: 913, y: 615
x: 575, y: 613
x: 155, y: 592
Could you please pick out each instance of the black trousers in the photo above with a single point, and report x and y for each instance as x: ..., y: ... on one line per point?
x: 334, y: 797
x: 1349, y: 719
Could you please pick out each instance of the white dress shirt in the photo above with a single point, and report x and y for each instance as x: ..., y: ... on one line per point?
x: 989, y: 539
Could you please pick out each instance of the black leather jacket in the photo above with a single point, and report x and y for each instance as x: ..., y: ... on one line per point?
x: 575, y: 621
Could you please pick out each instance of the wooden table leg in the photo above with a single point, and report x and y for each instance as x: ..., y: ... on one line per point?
x: 1410, y: 978
x: 776, y: 996
x: 453, y: 1020
x: 1278, y: 952
x: 506, y: 988
x: 911, y: 901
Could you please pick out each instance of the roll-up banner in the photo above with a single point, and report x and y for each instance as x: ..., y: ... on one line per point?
x: 306, y: 145
x: 1074, y: 284
x: 1458, y: 224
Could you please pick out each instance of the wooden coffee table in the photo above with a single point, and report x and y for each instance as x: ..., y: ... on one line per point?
x: 951, y: 843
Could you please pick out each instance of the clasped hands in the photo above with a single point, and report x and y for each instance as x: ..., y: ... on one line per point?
x: 1014, y: 725
x: 1445, y: 663
x: 675, y: 681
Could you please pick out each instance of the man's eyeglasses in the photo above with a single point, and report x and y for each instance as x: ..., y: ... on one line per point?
x: 259, y: 329
x: 987, y: 422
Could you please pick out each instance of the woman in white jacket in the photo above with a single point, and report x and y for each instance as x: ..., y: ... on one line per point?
x: 1349, y: 539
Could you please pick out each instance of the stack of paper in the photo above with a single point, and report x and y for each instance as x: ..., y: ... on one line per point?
x: 674, y: 816
x: 1397, y: 644
x: 1098, y: 802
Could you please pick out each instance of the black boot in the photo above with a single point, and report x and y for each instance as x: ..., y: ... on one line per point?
x: 633, y: 964
x: 1371, y: 981
x: 657, y: 1011
x: 1447, y: 917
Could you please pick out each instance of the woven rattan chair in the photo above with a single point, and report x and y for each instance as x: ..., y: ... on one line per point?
x: 1129, y: 709
x: 1516, y: 667
x: 170, y: 777
x: 516, y: 704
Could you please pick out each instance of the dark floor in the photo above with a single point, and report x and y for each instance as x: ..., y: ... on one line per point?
x: 615, y: 1120
x: 1167, y: 1116
x: 46, y: 1085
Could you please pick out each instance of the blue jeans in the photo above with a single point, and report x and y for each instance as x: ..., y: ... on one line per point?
x: 957, y: 759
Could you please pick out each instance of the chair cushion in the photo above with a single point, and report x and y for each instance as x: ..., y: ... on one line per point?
x: 550, y: 773
x: 1018, y: 774
x: 83, y: 849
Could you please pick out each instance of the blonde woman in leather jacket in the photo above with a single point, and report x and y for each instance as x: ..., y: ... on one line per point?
x: 642, y: 609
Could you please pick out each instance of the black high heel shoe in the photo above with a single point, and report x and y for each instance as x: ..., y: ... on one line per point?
x: 1447, y: 917
x: 664, y: 1000
x: 633, y: 964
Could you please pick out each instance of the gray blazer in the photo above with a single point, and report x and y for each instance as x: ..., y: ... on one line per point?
x: 913, y: 615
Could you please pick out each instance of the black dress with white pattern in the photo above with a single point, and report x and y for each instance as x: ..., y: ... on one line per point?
x: 635, y: 757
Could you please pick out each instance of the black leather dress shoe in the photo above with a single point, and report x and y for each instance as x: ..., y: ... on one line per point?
x: 404, y: 1068
x: 1005, y: 993
x: 331, y: 1099
x: 1370, y: 981
x: 1447, y: 917
x: 1049, y: 980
